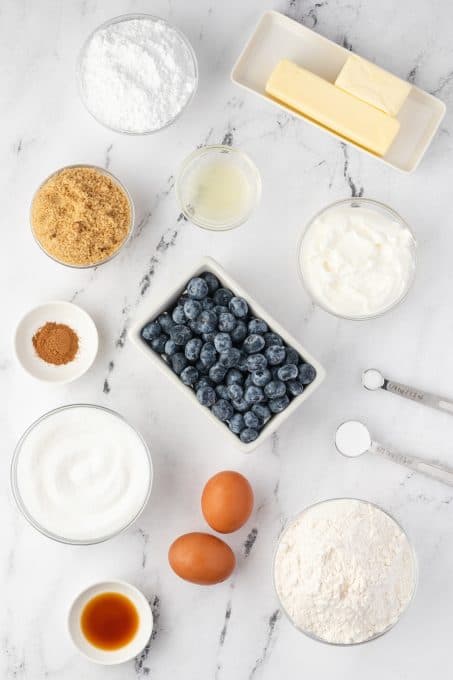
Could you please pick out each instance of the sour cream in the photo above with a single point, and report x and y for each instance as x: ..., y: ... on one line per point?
x: 83, y: 474
x: 357, y: 258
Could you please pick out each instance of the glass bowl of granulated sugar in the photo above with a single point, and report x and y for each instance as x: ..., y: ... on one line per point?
x: 344, y: 571
x: 137, y: 73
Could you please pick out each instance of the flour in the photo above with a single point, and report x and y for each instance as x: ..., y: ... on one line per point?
x: 344, y: 571
x: 137, y: 74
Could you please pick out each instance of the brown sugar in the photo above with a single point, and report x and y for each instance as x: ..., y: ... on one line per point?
x: 81, y: 216
x: 56, y: 343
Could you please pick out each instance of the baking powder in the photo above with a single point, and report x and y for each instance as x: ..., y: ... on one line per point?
x: 344, y: 571
x: 137, y: 74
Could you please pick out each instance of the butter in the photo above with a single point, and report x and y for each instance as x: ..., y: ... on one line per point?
x: 373, y: 85
x: 330, y: 106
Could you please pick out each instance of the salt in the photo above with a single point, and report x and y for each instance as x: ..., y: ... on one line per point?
x: 137, y: 74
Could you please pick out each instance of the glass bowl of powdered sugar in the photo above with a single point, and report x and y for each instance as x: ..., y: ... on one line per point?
x: 136, y: 74
x: 344, y: 571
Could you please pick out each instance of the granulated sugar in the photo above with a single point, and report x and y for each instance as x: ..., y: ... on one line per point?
x: 137, y: 75
x: 344, y: 571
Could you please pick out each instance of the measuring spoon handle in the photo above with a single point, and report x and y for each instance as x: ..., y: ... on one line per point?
x: 414, y: 394
x: 437, y: 471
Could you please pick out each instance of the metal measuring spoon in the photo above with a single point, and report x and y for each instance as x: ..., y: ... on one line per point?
x: 372, y: 379
x: 353, y: 439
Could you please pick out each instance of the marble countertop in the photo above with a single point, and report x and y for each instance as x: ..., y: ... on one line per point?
x: 234, y: 630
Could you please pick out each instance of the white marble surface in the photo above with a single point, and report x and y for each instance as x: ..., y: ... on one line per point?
x: 233, y: 630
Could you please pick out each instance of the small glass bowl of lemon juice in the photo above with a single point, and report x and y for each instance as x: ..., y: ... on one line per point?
x: 218, y: 187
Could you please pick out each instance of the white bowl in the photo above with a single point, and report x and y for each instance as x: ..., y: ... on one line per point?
x: 154, y: 309
x: 129, y: 651
x: 60, y: 312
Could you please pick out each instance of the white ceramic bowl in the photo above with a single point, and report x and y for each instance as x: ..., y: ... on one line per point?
x: 60, y: 312
x: 156, y: 308
x: 129, y: 651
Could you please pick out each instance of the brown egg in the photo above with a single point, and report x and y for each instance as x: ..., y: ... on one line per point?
x: 201, y: 558
x: 227, y: 501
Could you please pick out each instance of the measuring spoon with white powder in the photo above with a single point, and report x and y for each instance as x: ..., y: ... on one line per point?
x: 372, y: 379
x: 353, y: 439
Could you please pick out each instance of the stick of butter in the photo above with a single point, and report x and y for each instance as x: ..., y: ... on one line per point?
x: 373, y: 85
x: 337, y: 110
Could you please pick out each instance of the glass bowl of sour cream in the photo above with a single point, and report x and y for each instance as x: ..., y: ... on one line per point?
x: 81, y: 474
x: 357, y: 258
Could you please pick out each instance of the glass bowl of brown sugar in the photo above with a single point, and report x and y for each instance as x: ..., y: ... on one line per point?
x: 82, y: 216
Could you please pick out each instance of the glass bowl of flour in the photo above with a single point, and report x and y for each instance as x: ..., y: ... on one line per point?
x: 344, y: 571
x: 136, y: 74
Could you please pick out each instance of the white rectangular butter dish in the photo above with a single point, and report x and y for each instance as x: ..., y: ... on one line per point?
x: 278, y: 37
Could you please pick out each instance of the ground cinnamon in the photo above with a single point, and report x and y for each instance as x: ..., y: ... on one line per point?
x: 56, y: 343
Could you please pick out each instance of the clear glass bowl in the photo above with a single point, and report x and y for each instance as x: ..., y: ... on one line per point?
x: 377, y: 207
x: 129, y: 17
x: 131, y: 208
x: 21, y: 504
x: 381, y: 633
x: 204, y: 156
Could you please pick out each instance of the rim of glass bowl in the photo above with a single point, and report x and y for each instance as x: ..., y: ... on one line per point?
x: 375, y: 205
x: 205, y: 151
x: 22, y: 506
x: 312, y: 636
x: 120, y: 185
x: 117, y: 20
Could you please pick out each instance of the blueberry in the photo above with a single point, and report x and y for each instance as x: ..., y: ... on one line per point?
x: 201, y: 368
x: 178, y: 362
x: 193, y: 325
x: 197, y: 288
x: 275, y: 355
x: 262, y: 412
x: 166, y: 322
x: 227, y: 322
x: 256, y: 362
x: 180, y: 334
x: 222, y: 342
x: 204, y: 382
x: 212, y: 281
x: 261, y: 377
x: 206, y: 395
x: 222, y: 296
x: 253, y: 343
x: 295, y: 388
x: 217, y: 373
x: 272, y: 339
x: 236, y: 423
x: 234, y: 377
x: 189, y: 375
x: 230, y: 357
x: 170, y: 348
x: 238, y: 307
x: 158, y: 344
x: 239, y: 332
x: 258, y: 326
x: 192, y: 349
x: 241, y: 405
x: 192, y: 309
x: 222, y: 410
x: 209, y: 337
x: 251, y: 420
x: 274, y: 389
x: 279, y: 404
x: 207, y: 321
x: 220, y: 309
x: 178, y: 315
x: 207, y: 303
x: 292, y: 357
x: 288, y: 372
x: 248, y: 435
x: 253, y: 394
x: 151, y: 330
x: 235, y: 392
x: 208, y: 355
x: 306, y: 374
x: 222, y: 391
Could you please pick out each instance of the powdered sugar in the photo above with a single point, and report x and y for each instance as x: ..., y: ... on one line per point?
x: 344, y: 571
x: 137, y: 74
